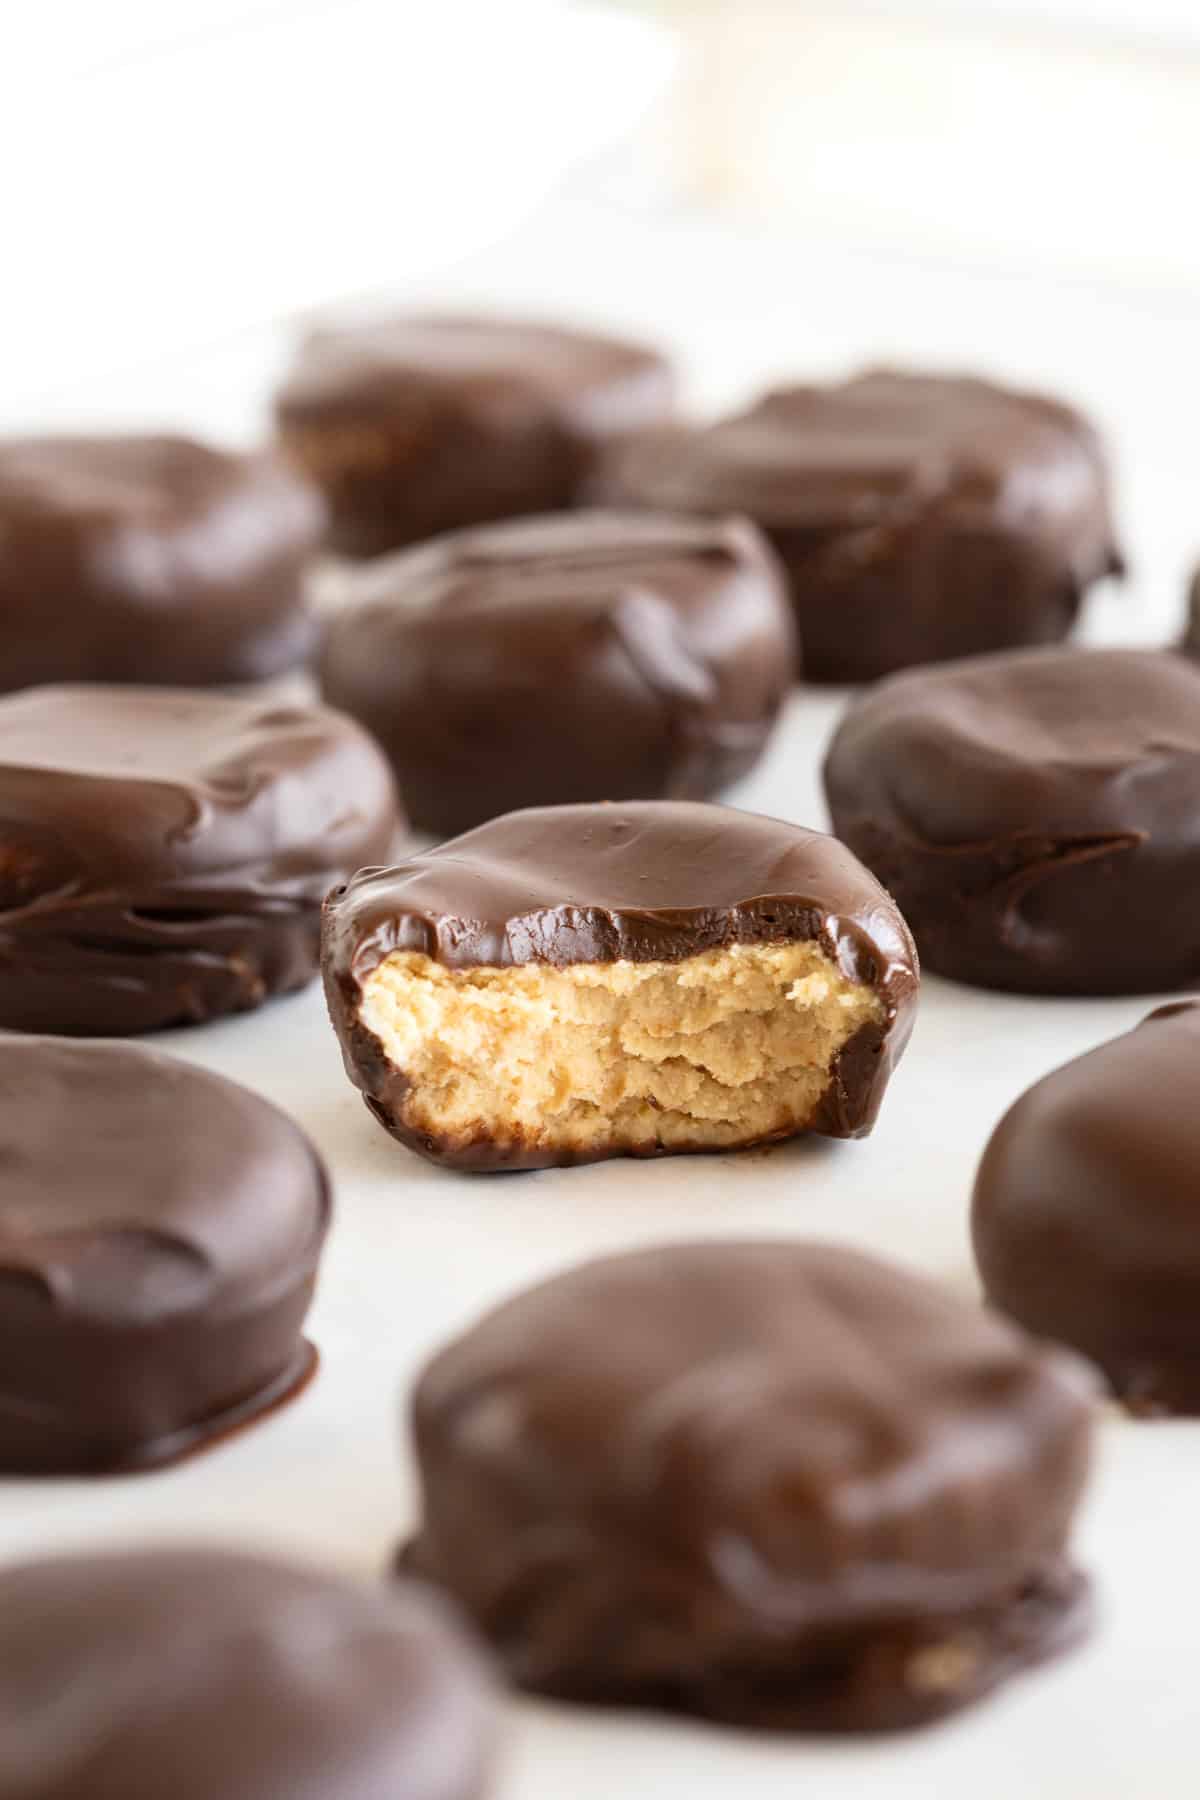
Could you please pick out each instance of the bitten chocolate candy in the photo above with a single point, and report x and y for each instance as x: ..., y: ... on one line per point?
x: 159, y: 1236
x: 1087, y: 1210
x: 415, y: 425
x: 594, y: 656
x: 918, y: 517
x: 150, y: 559
x: 163, y: 856
x: 209, y: 1676
x: 1034, y: 816
x: 576, y: 982
x: 776, y: 1483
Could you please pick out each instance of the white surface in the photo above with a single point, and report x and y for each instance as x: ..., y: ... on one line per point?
x: 416, y: 1252
x: 186, y: 169
x: 1157, y: 21
x: 998, y: 133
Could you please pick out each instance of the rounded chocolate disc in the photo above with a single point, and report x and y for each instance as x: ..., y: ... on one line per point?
x: 775, y: 1483
x: 159, y: 1235
x: 422, y: 423
x: 199, y: 1673
x: 621, y: 980
x: 1033, y: 815
x: 1087, y: 1210
x: 150, y: 559
x: 594, y: 656
x: 918, y: 517
x: 163, y: 855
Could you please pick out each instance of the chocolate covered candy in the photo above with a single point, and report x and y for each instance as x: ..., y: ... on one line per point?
x: 1087, y: 1210
x: 594, y: 656
x: 163, y: 856
x: 774, y: 1483
x: 576, y: 982
x: 918, y: 517
x: 152, y: 559
x: 419, y: 424
x: 1034, y: 816
x: 201, y: 1674
x: 159, y: 1235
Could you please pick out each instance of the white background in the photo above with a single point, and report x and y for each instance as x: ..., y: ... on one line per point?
x: 174, y: 170
x: 415, y: 1252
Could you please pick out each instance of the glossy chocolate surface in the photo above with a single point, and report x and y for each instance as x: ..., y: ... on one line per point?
x: 163, y: 855
x: 918, y: 517
x: 1087, y: 1210
x: 592, y: 656
x: 775, y: 1483
x: 423, y: 423
x: 651, y: 881
x: 1034, y: 816
x: 201, y: 1674
x: 159, y: 1235
x: 150, y: 559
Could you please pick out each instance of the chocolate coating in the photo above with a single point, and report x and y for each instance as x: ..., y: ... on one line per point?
x: 1034, y: 816
x: 593, y: 656
x: 775, y: 1483
x: 152, y: 559
x: 197, y: 1673
x: 650, y: 881
x: 1087, y: 1210
x: 159, y: 1235
x: 163, y: 856
x: 419, y: 424
x: 918, y: 517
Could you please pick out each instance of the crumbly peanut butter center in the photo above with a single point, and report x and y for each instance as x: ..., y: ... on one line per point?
x: 721, y: 1049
